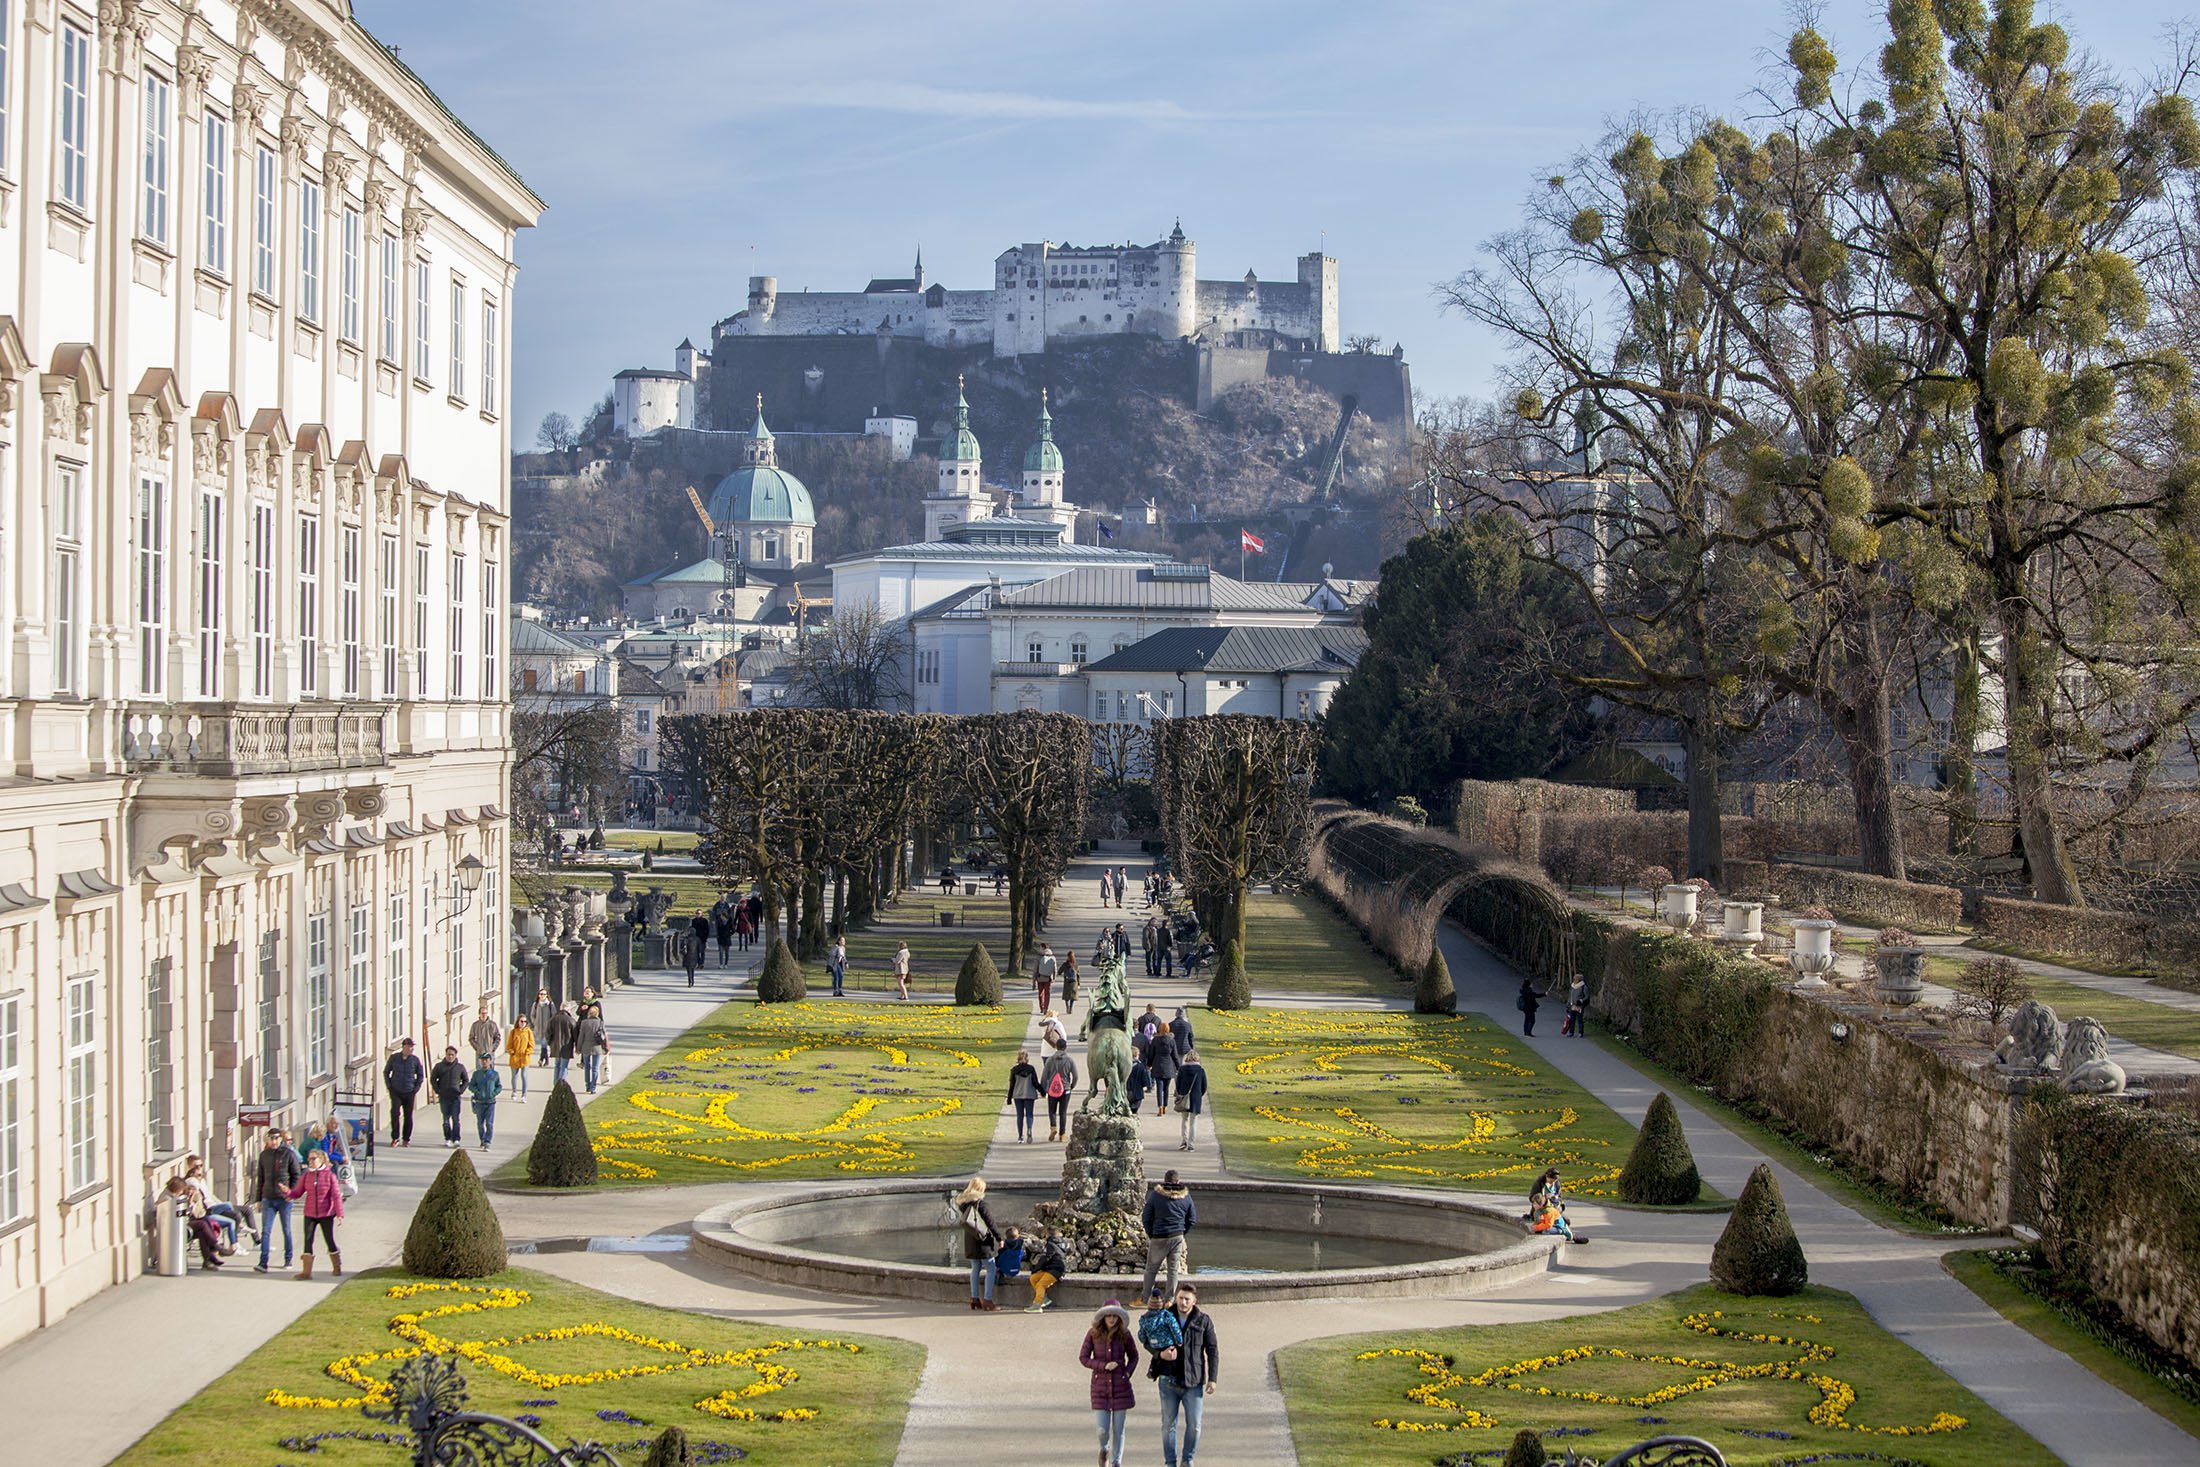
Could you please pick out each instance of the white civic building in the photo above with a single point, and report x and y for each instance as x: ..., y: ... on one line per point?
x: 254, y: 336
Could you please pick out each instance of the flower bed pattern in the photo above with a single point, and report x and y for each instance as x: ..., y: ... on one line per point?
x: 1416, y: 1099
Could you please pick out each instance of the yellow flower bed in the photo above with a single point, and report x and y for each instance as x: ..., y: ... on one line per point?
x: 420, y: 1329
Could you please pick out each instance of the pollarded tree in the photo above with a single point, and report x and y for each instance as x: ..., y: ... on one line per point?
x: 752, y: 766
x: 1236, y: 806
x: 1026, y: 777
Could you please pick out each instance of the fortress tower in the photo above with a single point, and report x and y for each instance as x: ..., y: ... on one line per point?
x: 1318, y: 273
x: 1042, y: 497
x: 961, y: 495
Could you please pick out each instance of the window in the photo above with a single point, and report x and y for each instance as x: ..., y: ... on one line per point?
x: 261, y: 591
x: 491, y: 354
x: 641, y: 722
x: 421, y: 348
x: 75, y: 163
x: 347, y: 606
x: 309, y: 250
x: 349, y: 265
x: 7, y: 35
x: 420, y: 621
x: 399, y: 998
x: 457, y: 688
x: 490, y: 599
x: 263, y: 220
x: 1037, y: 649
x: 458, y: 337
x: 492, y: 965
x: 309, y: 603
x: 458, y: 943
x: 320, y: 1000
x: 214, y: 136
x: 1100, y: 707
x: 152, y: 585
x: 1077, y: 652
x: 271, y: 1016
x: 153, y: 202
x: 211, y: 554
x: 359, y: 995
x: 387, y: 590
x: 160, y: 1057
x: 389, y: 298
x: 80, y: 1078
x: 11, y: 1108
x: 67, y: 592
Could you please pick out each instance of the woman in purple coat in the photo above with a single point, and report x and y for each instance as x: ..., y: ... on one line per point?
x: 1110, y: 1352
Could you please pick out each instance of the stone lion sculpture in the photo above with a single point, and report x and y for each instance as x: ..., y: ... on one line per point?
x: 2035, y: 1041
x: 2087, y: 1069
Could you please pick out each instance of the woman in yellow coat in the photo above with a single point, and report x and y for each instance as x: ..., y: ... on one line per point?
x: 519, y: 1050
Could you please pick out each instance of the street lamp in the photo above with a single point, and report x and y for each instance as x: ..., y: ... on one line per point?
x: 470, y: 872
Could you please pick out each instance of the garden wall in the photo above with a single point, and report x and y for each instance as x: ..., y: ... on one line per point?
x: 1508, y: 817
x: 2094, y: 938
x: 1872, y: 901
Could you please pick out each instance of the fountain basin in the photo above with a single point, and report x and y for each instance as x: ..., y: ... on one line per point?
x: 890, y: 1238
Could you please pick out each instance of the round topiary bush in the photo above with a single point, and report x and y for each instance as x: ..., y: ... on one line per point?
x: 1758, y: 1253
x: 561, y: 1155
x: 1661, y: 1170
x: 979, y: 982
x: 454, y: 1232
x: 670, y: 1449
x: 1231, y: 989
x: 781, y: 981
x: 1432, y: 992
x: 1526, y: 1450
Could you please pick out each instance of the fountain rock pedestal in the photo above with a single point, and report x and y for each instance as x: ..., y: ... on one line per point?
x: 1103, y: 1193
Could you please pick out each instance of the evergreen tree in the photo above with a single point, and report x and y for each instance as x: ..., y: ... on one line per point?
x: 454, y: 1232
x: 781, y: 981
x: 1758, y: 1253
x: 1661, y: 1170
x: 1231, y: 989
x: 670, y: 1449
x: 979, y: 982
x: 1526, y: 1450
x: 561, y: 1155
x: 1433, y: 993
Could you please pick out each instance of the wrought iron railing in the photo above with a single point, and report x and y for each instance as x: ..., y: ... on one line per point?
x: 228, y: 740
x: 428, y: 1400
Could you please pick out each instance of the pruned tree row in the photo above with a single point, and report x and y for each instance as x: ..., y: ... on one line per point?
x: 1236, y: 807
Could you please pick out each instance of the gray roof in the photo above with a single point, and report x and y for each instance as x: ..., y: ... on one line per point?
x: 1166, y: 586
x: 969, y: 601
x: 636, y: 681
x: 531, y: 636
x: 1239, y: 649
x: 946, y: 550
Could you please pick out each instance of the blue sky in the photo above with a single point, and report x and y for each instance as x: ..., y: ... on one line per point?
x: 684, y: 145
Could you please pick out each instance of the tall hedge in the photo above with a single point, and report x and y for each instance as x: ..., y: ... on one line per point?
x: 1758, y: 1252
x: 454, y: 1232
x: 1230, y: 988
x: 781, y: 981
x: 561, y: 1155
x: 979, y: 982
x: 1661, y: 1170
x: 1432, y: 992
x: 1696, y: 1009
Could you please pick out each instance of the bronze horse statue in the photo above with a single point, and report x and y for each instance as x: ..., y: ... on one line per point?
x: 1108, y: 1049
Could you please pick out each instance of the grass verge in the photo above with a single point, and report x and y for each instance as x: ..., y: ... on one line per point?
x: 2134, y: 1366
x: 1810, y: 1378
x: 841, y: 1398
x: 1296, y: 944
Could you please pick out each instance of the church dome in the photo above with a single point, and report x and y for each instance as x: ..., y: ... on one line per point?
x: 1043, y: 457
x: 960, y: 445
x: 761, y: 492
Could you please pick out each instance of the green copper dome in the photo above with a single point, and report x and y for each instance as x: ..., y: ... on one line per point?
x: 1043, y: 457
x: 960, y: 445
x: 761, y: 492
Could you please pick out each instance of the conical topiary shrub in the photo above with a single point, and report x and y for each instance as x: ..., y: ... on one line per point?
x: 1661, y: 1170
x: 1433, y: 993
x: 454, y: 1232
x: 1231, y: 989
x: 670, y: 1449
x: 1758, y: 1254
x: 561, y: 1155
x: 1526, y: 1450
x: 781, y: 981
x: 979, y: 982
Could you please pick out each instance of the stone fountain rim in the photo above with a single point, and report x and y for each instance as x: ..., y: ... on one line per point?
x: 715, y: 1233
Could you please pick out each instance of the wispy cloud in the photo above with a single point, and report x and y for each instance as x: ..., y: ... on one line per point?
x: 916, y: 98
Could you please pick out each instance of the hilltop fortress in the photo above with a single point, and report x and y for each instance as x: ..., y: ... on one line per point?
x: 1047, y: 293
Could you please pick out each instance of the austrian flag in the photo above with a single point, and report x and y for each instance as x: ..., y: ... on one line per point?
x: 1249, y: 541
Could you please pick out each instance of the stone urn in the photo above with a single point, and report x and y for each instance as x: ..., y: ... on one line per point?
x: 1901, y: 975
x: 1743, y: 924
x: 1677, y: 903
x: 1812, y: 959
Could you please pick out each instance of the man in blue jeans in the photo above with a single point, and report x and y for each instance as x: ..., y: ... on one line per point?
x: 1186, y: 1376
x: 274, y: 1172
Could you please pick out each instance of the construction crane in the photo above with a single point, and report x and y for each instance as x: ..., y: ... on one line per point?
x: 1326, y: 486
x: 702, y: 513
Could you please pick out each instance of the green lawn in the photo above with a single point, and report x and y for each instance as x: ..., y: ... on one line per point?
x: 1422, y: 1100
x: 846, y: 1395
x: 769, y: 1092
x: 656, y: 842
x: 2135, y: 1020
x: 936, y: 953
x: 1821, y: 1382
x: 1296, y: 944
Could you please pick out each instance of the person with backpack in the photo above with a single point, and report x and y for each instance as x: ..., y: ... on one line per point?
x: 1191, y: 1096
x: 1185, y: 1374
x: 1110, y: 1352
x: 1042, y: 975
x: 1059, y: 1080
x: 1069, y: 982
x: 980, y: 1240
x: 1023, y: 1093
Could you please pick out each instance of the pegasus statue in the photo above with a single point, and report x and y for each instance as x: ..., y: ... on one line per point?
x: 1108, y: 1047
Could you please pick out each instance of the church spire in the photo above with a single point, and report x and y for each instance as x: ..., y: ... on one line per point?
x: 760, y: 451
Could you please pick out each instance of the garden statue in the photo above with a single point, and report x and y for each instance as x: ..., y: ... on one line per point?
x: 2086, y: 1067
x: 1108, y: 1051
x: 2035, y: 1040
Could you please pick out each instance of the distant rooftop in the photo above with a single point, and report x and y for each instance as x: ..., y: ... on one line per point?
x: 1239, y: 650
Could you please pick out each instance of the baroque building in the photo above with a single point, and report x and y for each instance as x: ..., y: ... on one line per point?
x: 254, y: 456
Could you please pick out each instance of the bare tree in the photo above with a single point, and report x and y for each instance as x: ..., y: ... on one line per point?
x: 556, y: 434
x: 1991, y: 989
x: 1027, y: 776
x: 855, y: 660
x: 575, y: 753
x: 1236, y: 804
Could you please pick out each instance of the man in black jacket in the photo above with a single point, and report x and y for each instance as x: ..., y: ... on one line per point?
x: 1168, y: 1215
x: 402, y: 1077
x: 274, y: 1172
x: 449, y: 1079
x: 1186, y: 1376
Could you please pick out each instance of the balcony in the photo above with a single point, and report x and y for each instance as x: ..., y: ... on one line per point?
x: 1037, y: 669
x: 225, y: 741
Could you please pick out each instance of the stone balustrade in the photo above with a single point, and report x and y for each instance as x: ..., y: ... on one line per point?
x: 228, y: 740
